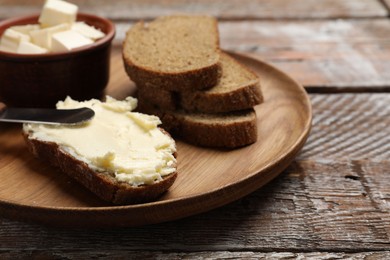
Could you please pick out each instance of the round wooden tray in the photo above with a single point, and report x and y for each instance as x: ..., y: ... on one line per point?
x: 31, y: 190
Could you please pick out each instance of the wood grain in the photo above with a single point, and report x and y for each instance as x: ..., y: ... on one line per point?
x: 349, y: 126
x: 315, y: 206
x: 232, y: 9
x: 102, y: 254
x: 327, y: 202
x: 339, y: 54
x: 324, y: 56
x: 332, y: 203
x: 208, y: 178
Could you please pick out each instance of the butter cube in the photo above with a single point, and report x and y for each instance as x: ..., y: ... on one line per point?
x: 56, y: 12
x: 43, y: 37
x: 11, y: 39
x: 30, y: 48
x: 68, y: 40
x: 26, y: 29
x: 88, y: 31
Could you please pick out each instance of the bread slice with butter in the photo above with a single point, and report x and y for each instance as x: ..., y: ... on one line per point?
x: 178, y: 52
x: 237, y: 89
x: 120, y: 155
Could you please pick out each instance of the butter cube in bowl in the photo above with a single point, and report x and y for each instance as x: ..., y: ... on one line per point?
x: 57, y: 53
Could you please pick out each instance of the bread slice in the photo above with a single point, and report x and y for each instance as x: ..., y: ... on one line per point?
x: 144, y: 182
x: 103, y: 184
x: 174, y: 52
x: 223, y: 130
x: 237, y: 89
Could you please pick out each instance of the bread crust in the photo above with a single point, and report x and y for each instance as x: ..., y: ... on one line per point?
x: 230, y: 136
x: 203, y: 78
x: 161, y: 98
x: 224, y: 134
x: 103, y: 184
x: 245, y: 97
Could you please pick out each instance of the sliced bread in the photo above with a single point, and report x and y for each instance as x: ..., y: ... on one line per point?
x: 101, y: 183
x: 101, y: 156
x: 237, y: 89
x: 223, y: 130
x: 174, y: 52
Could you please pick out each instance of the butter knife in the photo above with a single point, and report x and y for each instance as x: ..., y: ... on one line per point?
x: 46, y: 115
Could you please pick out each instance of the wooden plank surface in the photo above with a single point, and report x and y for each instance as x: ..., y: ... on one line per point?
x: 335, y: 197
x: 199, y: 255
x: 232, y: 9
x: 314, y: 206
x: 325, y: 201
x: 333, y: 202
x: 349, y: 127
x: 331, y: 55
x: 324, y: 56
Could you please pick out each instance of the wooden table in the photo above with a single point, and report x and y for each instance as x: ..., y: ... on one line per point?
x: 332, y: 202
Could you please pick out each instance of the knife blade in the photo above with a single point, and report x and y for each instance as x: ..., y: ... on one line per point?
x: 46, y: 115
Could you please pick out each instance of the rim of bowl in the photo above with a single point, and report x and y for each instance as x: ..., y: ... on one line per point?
x: 57, y: 55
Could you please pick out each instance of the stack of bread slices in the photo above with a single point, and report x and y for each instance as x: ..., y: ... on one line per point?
x: 201, y: 94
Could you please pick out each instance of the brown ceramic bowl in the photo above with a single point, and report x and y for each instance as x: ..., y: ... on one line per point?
x: 40, y: 80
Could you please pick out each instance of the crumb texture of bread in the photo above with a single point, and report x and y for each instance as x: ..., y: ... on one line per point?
x: 174, y: 52
x: 120, y: 155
